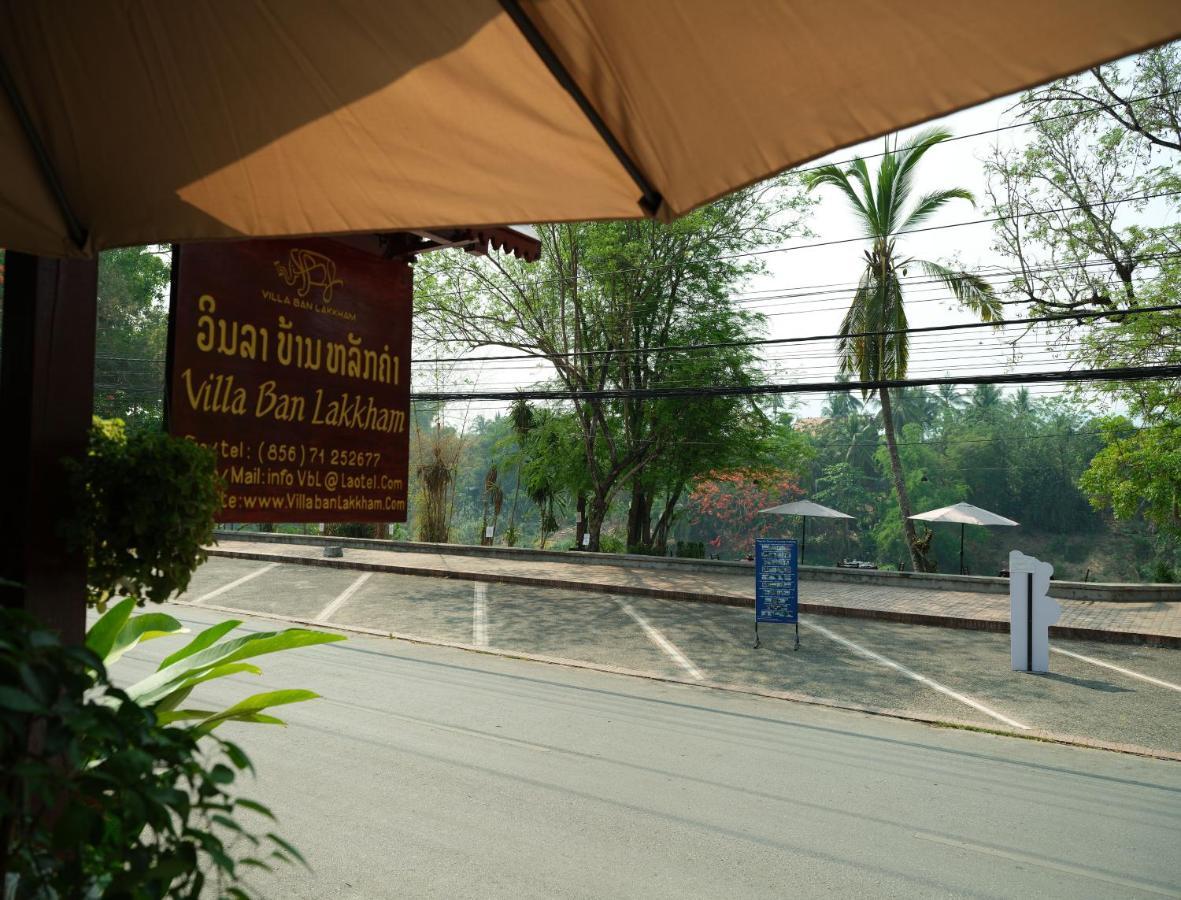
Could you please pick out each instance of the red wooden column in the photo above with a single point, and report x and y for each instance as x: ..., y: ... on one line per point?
x: 46, y: 402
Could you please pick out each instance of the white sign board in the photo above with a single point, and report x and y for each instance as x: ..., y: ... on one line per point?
x: 488, y: 532
x: 1031, y: 612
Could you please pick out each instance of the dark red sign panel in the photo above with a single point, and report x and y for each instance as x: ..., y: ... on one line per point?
x: 291, y: 359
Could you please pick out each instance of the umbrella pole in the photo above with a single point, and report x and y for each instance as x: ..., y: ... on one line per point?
x: 961, y: 548
x: 804, y: 542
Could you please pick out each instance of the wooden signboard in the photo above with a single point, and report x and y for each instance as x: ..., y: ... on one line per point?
x: 291, y: 359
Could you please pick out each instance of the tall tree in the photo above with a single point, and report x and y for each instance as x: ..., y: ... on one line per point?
x: 842, y: 404
x: 1088, y: 211
x: 875, y: 345
x: 984, y: 399
x: 602, y: 308
x: 1075, y: 203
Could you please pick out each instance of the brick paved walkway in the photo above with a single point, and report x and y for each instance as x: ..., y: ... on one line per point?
x: 1155, y: 622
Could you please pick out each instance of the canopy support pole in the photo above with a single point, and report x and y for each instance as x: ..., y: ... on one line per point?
x: 650, y: 198
x: 46, y: 403
x: 961, y: 548
x: 75, y: 228
x: 803, y: 538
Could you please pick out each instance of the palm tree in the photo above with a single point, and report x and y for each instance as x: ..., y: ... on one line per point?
x: 842, y: 404
x: 950, y: 398
x: 875, y: 345
x: 1022, y: 401
x: 985, y: 399
x: 913, y: 405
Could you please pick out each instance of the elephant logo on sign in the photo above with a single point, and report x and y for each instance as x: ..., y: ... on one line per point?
x: 307, y: 269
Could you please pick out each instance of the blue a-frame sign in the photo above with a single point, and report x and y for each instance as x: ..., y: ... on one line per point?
x: 777, y: 584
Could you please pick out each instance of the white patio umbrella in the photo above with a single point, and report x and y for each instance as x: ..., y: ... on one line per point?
x: 964, y: 514
x: 804, y: 509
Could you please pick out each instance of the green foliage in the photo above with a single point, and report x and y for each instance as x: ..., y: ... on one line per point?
x: 690, y: 549
x: 202, y: 659
x: 144, y: 510
x: 99, y: 798
x: 1017, y: 454
x: 131, y: 335
x: 612, y: 543
x: 1138, y: 471
x: 642, y: 285
x: 351, y: 529
x: 1084, y: 241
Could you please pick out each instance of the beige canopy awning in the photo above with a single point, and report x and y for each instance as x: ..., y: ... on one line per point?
x: 138, y: 122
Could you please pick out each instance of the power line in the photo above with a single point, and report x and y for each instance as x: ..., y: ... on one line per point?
x: 874, y: 441
x: 1090, y: 204
x: 761, y: 342
x: 1121, y: 373
x: 837, y: 287
x: 982, y: 221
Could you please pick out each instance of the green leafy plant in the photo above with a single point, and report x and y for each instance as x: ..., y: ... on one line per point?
x: 145, y: 504
x: 202, y: 659
x: 351, y: 530
x: 1162, y: 573
x: 99, y: 798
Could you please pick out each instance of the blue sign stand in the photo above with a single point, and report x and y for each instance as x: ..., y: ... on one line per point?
x: 777, y: 584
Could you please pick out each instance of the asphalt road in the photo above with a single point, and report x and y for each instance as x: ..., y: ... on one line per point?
x: 430, y: 771
x: 949, y: 674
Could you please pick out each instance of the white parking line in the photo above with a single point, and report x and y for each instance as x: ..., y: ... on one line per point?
x: 1120, y: 669
x: 233, y: 584
x: 336, y: 604
x: 910, y: 673
x: 663, y: 643
x: 480, y: 615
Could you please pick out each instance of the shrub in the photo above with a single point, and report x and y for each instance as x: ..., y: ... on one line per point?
x: 610, y: 543
x: 351, y: 529
x: 1162, y: 573
x: 641, y: 550
x: 145, y: 504
x: 97, y: 798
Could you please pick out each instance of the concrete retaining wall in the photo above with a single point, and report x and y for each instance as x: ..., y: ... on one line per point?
x: 1068, y: 590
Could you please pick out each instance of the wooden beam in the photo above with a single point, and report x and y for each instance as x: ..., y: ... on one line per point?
x: 46, y: 403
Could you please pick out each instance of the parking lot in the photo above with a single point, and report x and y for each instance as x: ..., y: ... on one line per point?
x: 1105, y: 692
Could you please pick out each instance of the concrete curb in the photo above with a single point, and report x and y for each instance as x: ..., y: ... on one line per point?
x: 824, y: 609
x: 1067, y: 590
x: 789, y: 696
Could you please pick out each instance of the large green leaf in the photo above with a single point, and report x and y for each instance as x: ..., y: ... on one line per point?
x: 188, y: 715
x: 145, y: 627
x: 183, y: 715
x: 181, y: 691
x: 248, y: 710
x: 103, y: 633
x: 200, y: 642
x: 163, y: 682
